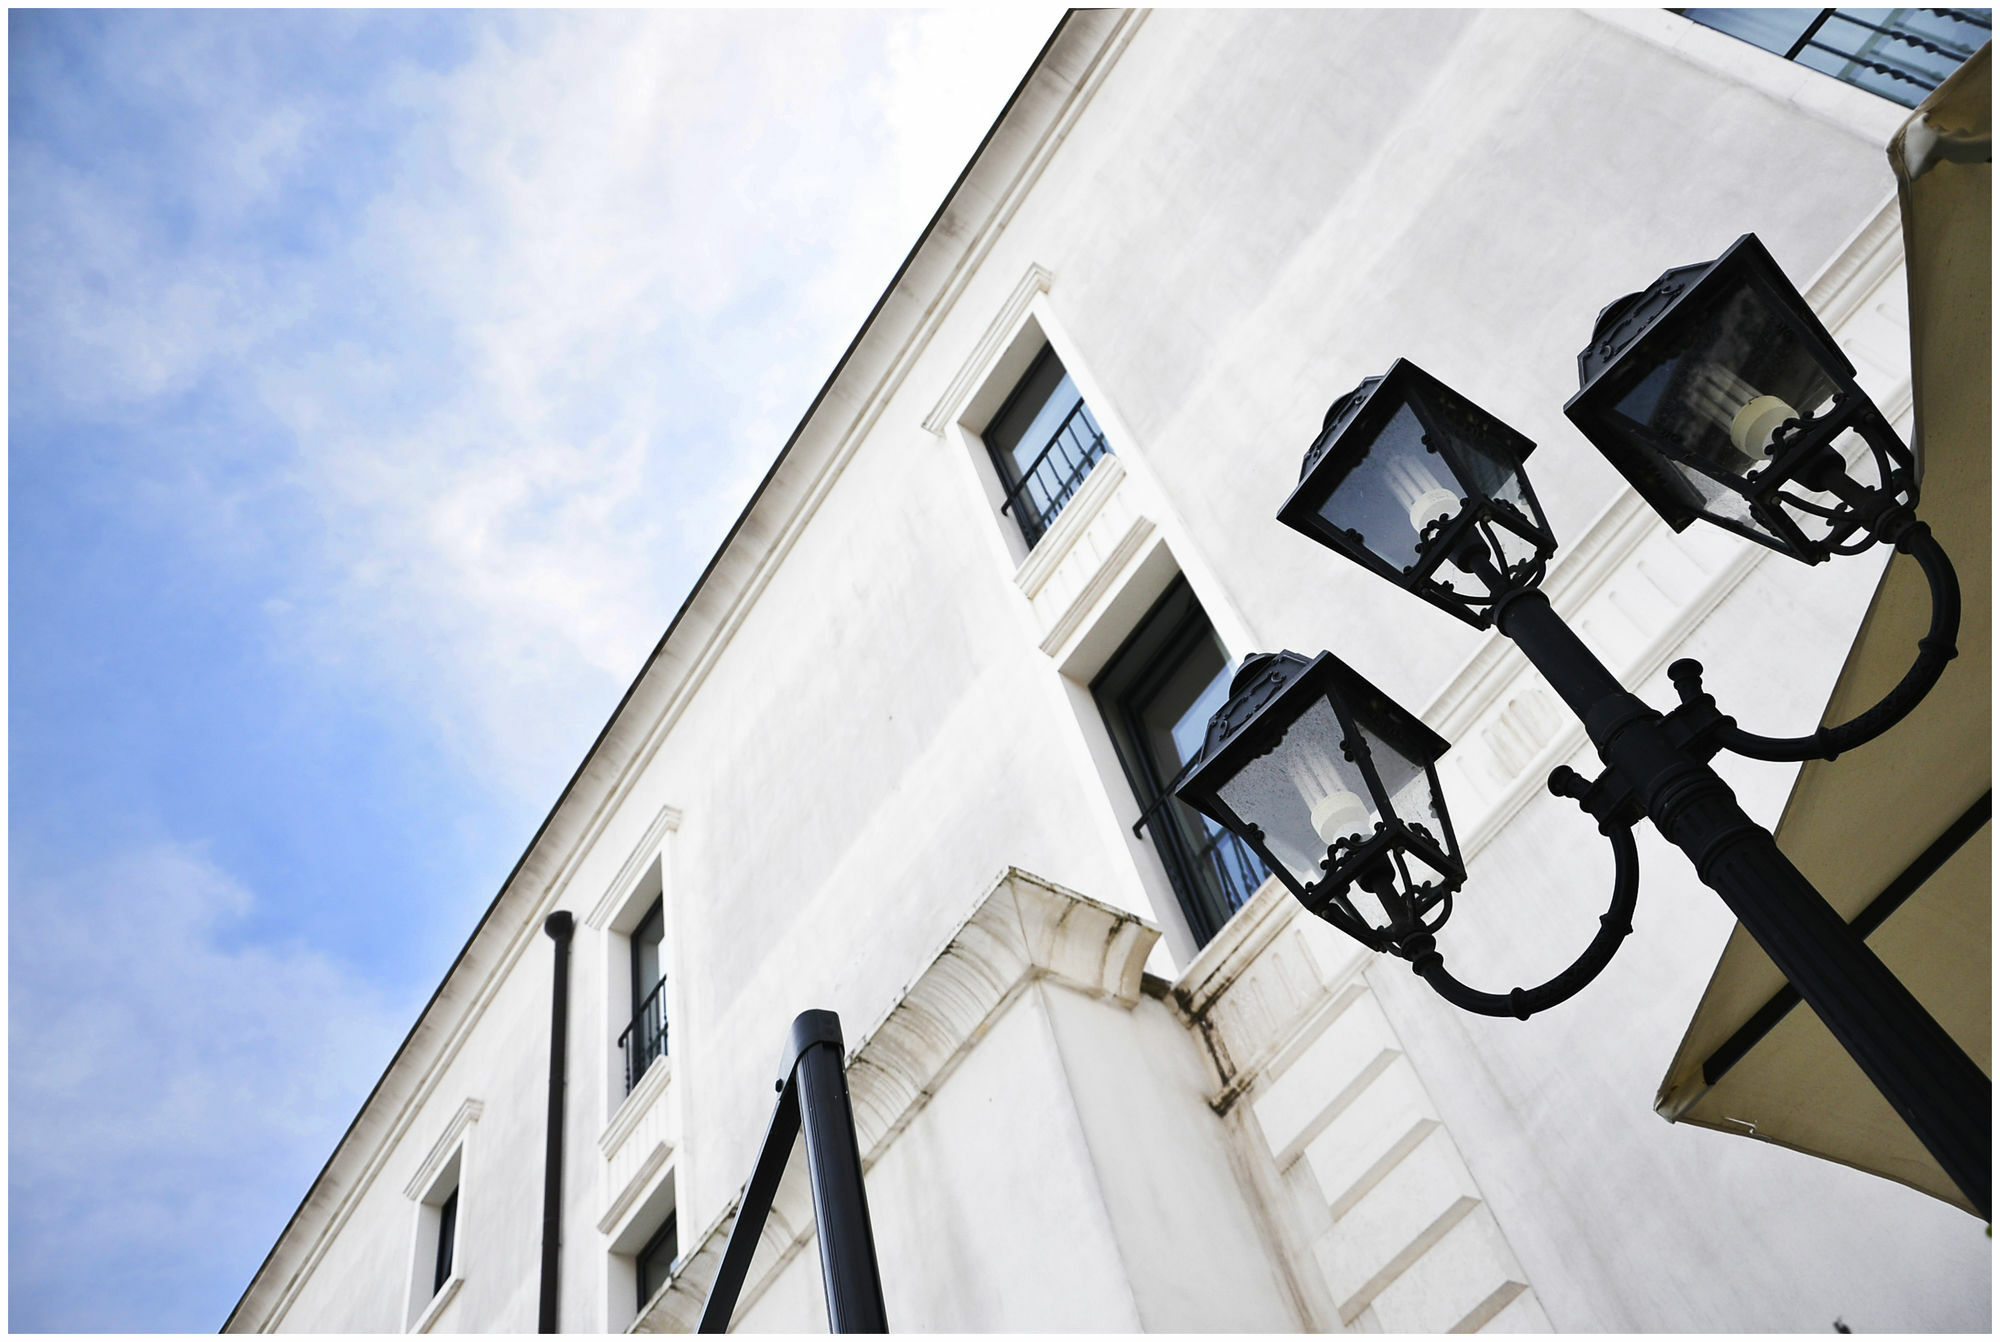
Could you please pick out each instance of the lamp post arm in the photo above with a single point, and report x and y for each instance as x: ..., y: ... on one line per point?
x: 1614, y: 925
x: 1923, y: 1072
x: 1934, y: 651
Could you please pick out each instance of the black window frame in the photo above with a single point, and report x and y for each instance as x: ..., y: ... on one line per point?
x: 644, y: 1040
x: 669, y: 1230
x: 1055, y: 477
x: 447, y: 1240
x: 1213, y: 873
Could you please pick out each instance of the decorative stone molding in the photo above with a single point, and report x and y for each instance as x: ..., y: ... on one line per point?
x: 442, y: 1149
x: 998, y: 333
x: 439, y: 1303
x: 1025, y: 929
x: 1077, y: 561
x: 637, y: 1103
x: 642, y: 855
x: 634, y: 1186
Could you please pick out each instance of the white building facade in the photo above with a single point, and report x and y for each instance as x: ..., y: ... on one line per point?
x: 900, y: 755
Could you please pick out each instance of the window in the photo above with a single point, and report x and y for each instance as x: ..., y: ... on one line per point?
x: 1044, y: 443
x: 655, y: 1262
x: 645, y: 1039
x: 1157, y: 694
x: 447, y: 1230
x: 1900, y: 54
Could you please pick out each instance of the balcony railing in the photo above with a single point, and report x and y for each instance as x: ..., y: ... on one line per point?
x: 1899, y: 54
x: 646, y: 1037
x: 1047, y: 484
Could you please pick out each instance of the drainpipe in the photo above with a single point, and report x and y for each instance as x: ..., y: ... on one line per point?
x: 559, y: 926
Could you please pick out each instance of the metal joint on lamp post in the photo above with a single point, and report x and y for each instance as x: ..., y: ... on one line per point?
x: 1717, y: 393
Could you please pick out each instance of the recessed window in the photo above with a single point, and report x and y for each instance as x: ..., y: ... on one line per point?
x: 645, y: 1039
x: 655, y: 1262
x: 1157, y: 694
x: 1044, y: 443
x: 447, y: 1233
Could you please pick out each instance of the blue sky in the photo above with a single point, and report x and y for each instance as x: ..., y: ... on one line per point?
x: 378, y: 384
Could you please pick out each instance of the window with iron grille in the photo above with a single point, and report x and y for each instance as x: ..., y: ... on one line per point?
x: 1157, y: 694
x: 645, y: 1039
x: 1900, y: 54
x: 1044, y: 443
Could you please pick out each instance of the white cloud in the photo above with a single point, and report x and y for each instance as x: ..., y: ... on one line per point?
x: 606, y: 265
x: 168, y: 1086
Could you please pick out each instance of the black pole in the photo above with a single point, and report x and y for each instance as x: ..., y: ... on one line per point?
x: 559, y: 926
x: 1919, y: 1068
x: 812, y: 1092
x: 833, y: 1160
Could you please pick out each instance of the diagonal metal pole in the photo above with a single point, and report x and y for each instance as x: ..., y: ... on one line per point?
x: 812, y: 1093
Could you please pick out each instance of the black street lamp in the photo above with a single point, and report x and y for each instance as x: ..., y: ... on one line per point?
x: 1717, y: 393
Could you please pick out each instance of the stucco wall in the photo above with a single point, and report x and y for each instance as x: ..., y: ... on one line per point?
x: 1253, y: 211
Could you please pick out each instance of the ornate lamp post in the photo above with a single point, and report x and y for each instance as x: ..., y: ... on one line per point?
x: 1718, y: 394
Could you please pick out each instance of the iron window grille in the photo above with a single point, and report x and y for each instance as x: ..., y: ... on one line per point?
x: 1898, y: 54
x: 646, y: 1037
x: 1044, y: 442
x: 1157, y: 694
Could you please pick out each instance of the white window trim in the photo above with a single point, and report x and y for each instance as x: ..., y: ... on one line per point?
x: 448, y: 1162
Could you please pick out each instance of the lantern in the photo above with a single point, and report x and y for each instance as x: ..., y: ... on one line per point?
x: 1718, y: 394
x: 1411, y: 480
x: 1334, y: 784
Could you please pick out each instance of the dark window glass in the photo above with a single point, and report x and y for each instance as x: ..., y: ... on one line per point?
x: 1044, y: 444
x: 447, y: 1234
x: 1157, y: 694
x: 646, y: 1037
x: 656, y: 1260
x: 1900, y: 54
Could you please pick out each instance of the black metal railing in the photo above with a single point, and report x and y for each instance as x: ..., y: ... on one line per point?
x: 646, y: 1037
x: 1054, y: 475
x: 1901, y: 57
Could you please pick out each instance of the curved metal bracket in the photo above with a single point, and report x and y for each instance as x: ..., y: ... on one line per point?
x: 1614, y: 925
x: 1934, y: 651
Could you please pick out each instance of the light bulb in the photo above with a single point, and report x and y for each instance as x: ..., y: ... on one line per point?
x: 1419, y: 492
x: 1339, y: 815
x: 1750, y: 417
x: 1336, y: 812
x: 1757, y: 423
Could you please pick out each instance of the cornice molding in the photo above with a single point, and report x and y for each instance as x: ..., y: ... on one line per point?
x: 1052, y: 96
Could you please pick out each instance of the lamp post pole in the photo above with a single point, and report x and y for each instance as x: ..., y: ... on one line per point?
x: 1919, y: 1068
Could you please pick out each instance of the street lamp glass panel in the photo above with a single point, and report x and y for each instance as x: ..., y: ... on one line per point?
x: 1392, y: 490
x: 1718, y: 386
x: 1307, y: 795
x: 1718, y: 394
x: 1416, y: 483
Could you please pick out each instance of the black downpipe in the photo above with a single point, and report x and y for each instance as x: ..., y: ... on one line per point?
x: 559, y: 926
